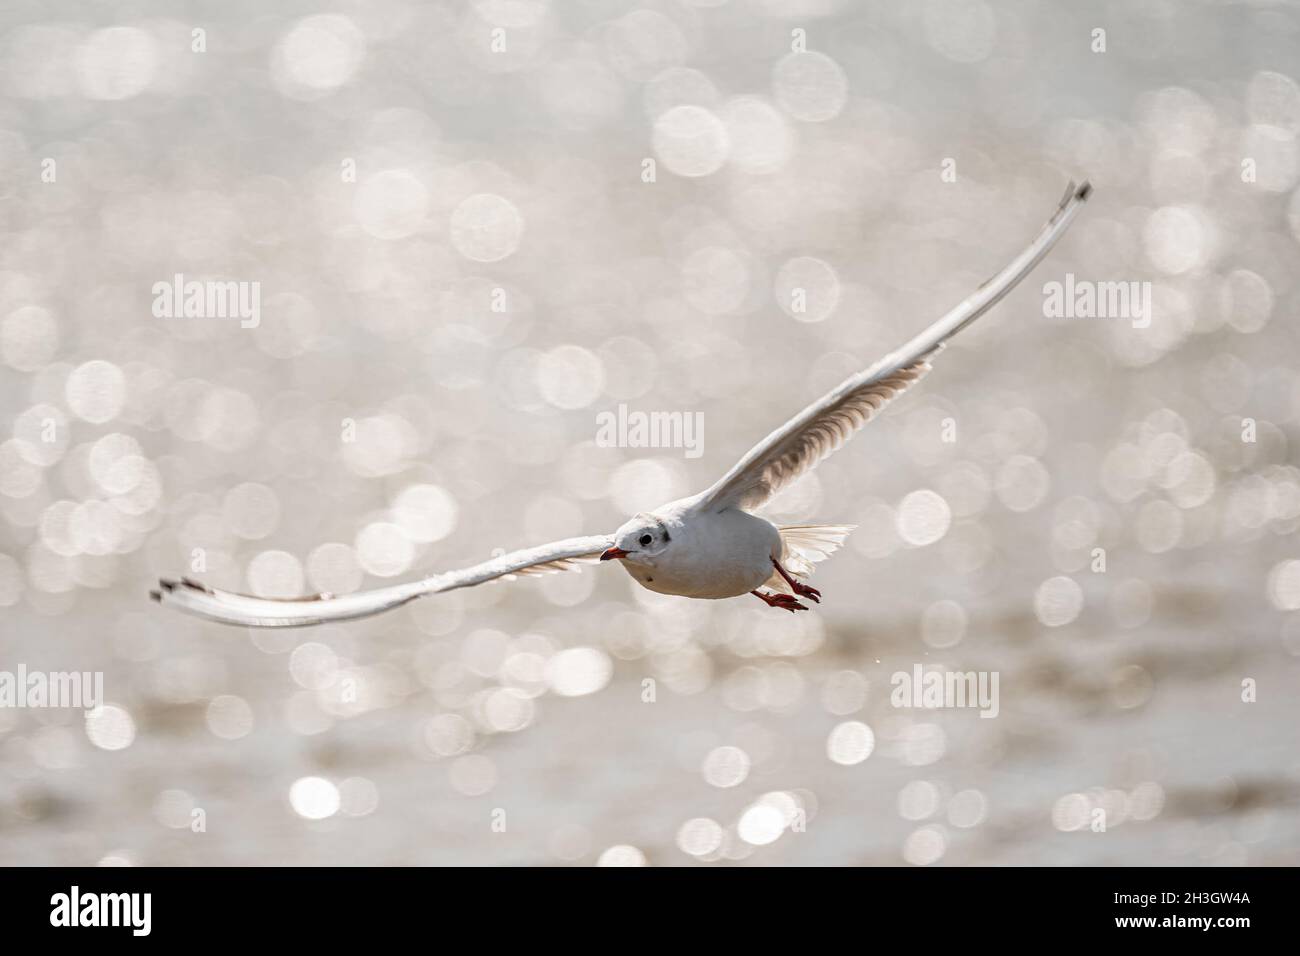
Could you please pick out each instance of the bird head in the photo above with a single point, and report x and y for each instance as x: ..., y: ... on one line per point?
x: 640, y: 539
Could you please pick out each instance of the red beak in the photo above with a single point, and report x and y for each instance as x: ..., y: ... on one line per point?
x: 614, y: 553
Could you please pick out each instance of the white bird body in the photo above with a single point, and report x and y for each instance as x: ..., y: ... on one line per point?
x: 714, y: 554
x: 709, y: 545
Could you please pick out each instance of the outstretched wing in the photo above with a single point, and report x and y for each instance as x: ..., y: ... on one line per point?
x: 824, y: 426
x: 245, y: 609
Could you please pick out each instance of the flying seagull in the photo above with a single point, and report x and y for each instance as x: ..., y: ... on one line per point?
x: 710, y: 545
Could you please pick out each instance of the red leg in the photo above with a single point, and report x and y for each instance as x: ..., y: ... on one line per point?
x: 799, y: 588
x: 780, y: 600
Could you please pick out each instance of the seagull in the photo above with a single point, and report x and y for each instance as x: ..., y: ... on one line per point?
x: 711, y: 545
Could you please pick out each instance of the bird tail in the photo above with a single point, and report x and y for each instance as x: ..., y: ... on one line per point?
x: 803, y: 545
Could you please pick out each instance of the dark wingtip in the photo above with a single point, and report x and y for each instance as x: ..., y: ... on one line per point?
x: 156, y: 595
x: 167, y: 584
x: 1084, y: 191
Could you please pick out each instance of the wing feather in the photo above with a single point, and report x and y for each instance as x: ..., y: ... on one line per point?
x: 229, y: 607
x: 824, y: 426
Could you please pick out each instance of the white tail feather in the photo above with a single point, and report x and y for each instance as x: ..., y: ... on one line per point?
x: 802, y: 546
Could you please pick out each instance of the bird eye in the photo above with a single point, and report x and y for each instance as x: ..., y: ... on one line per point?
x: 645, y: 539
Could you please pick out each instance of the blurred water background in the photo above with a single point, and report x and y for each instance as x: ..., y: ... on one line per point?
x: 475, y: 227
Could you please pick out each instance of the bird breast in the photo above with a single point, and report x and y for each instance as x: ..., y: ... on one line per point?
x: 712, y: 555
